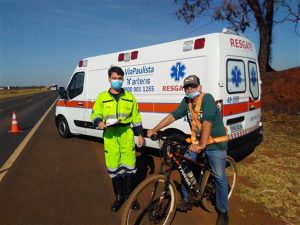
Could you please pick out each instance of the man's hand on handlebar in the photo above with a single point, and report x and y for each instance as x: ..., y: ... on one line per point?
x: 151, y: 133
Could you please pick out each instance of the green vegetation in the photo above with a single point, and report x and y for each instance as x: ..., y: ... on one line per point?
x: 21, y: 91
x: 271, y: 174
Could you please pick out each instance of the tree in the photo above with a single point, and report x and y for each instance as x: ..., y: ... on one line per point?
x: 240, y: 14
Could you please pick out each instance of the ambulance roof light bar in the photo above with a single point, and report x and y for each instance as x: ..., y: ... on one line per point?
x: 229, y: 31
x: 191, y: 44
x: 188, y: 45
x: 134, y: 55
x: 199, y: 43
x: 121, y: 57
x: 82, y: 63
x: 127, y: 56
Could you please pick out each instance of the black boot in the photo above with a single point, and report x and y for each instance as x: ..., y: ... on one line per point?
x: 129, y: 186
x: 117, y: 185
x: 222, y: 218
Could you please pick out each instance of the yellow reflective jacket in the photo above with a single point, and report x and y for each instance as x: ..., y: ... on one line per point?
x: 125, y: 109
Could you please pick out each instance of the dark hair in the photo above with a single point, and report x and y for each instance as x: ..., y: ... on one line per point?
x: 115, y: 69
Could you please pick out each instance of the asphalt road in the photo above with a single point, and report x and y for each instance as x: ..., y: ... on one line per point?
x: 29, y: 109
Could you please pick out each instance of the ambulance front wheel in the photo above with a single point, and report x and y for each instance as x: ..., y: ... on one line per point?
x: 63, y: 127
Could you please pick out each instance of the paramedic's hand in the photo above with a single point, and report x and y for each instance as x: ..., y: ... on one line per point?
x: 151, y: 132
x: 196, y: 148
x: 141, y: 141
x: 102, y: 125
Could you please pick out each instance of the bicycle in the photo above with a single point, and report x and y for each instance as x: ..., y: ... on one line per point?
x: 157, y: 194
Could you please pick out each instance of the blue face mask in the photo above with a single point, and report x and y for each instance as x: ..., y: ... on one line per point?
x: 192, y: 95
x: 116, y: 84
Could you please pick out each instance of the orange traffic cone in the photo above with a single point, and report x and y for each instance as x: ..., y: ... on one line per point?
x: 14, y: 125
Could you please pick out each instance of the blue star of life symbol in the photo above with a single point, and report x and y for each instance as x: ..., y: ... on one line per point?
x: 177, y: 71
x: 253, y: 76
x: 236, y: 76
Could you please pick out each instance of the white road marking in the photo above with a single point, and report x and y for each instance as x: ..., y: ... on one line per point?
x: 8, y: 164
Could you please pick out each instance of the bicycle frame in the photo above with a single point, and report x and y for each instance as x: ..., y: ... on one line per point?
x: 174, y: 158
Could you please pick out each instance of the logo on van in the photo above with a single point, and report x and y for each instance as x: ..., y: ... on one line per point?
x: 236, y: 76
x: 177, y: 71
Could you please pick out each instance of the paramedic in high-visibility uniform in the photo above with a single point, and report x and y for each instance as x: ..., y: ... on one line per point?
x: 116, y: 112
x: 209, y: 134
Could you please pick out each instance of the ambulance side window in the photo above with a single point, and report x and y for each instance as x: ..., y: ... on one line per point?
x: 75, y: 87
x: 236, y: 80
x: 253, y: 79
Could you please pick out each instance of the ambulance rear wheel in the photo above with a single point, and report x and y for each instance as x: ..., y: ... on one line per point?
x: 63, y: 127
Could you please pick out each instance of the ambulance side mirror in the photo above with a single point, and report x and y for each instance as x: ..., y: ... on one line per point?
x: 62, y: 93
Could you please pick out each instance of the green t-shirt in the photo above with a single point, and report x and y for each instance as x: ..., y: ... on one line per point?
x: 209, y: 112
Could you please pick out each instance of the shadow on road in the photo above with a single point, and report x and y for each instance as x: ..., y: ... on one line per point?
x: 145, y: 165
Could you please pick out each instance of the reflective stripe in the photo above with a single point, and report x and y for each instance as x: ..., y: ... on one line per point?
x: 123, y: 115
x: 137, y: 124
x: 121, y: 170
x: 110, y: 117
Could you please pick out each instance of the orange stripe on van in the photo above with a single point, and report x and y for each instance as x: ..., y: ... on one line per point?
x: 240, y: 107
x: 166, y: 107
x: 157, y: 107
x: 75, y: 104
x: 235, y: 108
x: 143, y: 107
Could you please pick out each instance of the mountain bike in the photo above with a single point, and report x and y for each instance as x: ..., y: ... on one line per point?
x: 157, y: 194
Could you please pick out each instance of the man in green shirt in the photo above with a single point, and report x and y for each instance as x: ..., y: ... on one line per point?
x: 209, y: 135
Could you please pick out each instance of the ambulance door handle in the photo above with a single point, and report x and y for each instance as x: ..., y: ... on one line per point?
x: 252, y: 107
x: 80, y: 104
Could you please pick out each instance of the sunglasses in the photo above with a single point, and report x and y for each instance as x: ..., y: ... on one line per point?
x: 190, y: 86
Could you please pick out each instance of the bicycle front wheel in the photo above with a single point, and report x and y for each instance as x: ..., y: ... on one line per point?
x: 157, y: 202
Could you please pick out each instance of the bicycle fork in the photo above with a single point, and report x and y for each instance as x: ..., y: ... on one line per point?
x: 158, y: 207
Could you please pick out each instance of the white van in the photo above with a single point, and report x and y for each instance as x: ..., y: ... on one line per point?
x: 225, y: 62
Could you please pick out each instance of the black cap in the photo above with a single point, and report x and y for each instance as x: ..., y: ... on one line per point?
x: 192, y: 79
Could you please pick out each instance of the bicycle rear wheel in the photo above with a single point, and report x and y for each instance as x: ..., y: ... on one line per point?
x: 209, y: 196
x: 157, y: 202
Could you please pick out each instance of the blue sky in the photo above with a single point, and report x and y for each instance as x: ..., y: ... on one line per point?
x: 41, y: 41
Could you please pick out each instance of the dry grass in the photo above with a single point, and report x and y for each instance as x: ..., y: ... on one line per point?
x: 22, y: 91
x: 273, y: 170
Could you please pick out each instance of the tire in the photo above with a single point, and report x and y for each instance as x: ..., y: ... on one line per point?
x: 63, y: 127
x: 208, y: 185
x: 147, y: 194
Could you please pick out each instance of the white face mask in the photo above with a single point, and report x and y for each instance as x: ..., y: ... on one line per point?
x: 192, y: 95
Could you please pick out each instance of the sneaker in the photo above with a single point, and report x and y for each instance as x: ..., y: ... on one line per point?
x: 184, y: 206
x: 222, y: 218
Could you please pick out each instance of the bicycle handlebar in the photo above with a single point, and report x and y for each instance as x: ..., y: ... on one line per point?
x: 166, y: 141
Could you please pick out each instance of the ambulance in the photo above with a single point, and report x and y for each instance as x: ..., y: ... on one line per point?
x: 225, y: 62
